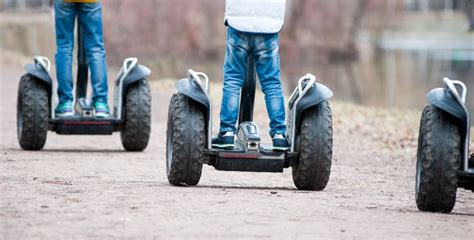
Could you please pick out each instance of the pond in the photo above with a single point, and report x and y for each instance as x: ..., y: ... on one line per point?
x: 401, y: 71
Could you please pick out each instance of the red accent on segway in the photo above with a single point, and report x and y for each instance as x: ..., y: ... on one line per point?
x: 87, y: 123
x: 239, y: 155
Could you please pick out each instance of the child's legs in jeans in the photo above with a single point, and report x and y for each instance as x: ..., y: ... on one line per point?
x: 235, y: 65
x: 90, y: 16
x: 65, y: 17
x: 267, y: 62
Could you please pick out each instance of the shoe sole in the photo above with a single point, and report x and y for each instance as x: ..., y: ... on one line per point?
x: 102, y: 115
x: 65, y: 115
x: 224, y: 146
x: 281, y: 149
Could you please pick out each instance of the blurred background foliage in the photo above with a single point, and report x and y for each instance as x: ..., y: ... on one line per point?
x: 371, y: 52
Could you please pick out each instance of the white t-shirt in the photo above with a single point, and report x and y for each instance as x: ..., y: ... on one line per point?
x: 255, y: 16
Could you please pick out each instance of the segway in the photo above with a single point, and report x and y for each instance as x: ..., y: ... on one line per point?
x: 36, y: 102
x: 188, y: 143
x: 443, y: 161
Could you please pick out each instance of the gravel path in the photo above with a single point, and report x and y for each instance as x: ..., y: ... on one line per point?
x: 88, y: 187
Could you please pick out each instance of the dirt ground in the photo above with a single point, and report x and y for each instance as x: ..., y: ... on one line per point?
x: 88, y: 187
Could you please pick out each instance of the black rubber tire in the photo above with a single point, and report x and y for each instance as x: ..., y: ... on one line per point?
x: 313, y: 168
x: 135, y: 133
x: 438, y: 160
x: 32, y: 113
x: 185, y: 141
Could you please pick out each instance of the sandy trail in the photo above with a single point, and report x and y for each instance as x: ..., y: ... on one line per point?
x: 88, y: 187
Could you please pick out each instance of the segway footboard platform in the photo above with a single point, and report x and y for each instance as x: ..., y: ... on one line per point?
x: 248, y: 162
x: 239, y: 160
x: 83, y: 126
x: 466, y: 179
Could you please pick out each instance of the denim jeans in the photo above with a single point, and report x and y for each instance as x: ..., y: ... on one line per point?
x: 265, y: 50
x: 90, y: 18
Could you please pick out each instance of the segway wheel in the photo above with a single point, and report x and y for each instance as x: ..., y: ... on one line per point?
x: 185, y: 141
x: 135, y: 133
x: 438, y: 160
x: 312, y: 170
x: 32, y: 113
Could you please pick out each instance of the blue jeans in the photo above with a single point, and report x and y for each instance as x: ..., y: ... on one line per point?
x: 90, y: 18
x: 267, y: 60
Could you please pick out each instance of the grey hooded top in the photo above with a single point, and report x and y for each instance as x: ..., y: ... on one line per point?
x: 255, y: 16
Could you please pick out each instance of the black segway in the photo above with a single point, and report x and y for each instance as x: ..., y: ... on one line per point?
x: 36, y: 100
x: 443, y: 161
x: 188, y: 143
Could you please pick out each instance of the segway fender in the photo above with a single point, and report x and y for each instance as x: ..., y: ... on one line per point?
x: 137, y: 73
x: 40, y: 73
x: 192, y: 90
x: 315, y: 96
x: 441, y: 98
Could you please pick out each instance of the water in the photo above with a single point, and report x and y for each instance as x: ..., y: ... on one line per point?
x: 399, y: 73
x: 399, y: 79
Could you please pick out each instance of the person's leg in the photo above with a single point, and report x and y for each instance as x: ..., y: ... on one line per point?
x: 90, y: 16
x: 235, y: 65
x: 65, y: 15
x: 469, y: 9
x: 267, y: 62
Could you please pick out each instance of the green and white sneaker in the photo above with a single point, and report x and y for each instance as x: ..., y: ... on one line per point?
x: 64, y: 110
x: 224, y: 140
x: 101, y: 110
x: 280, y: 143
